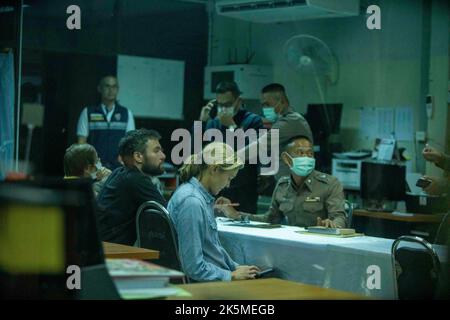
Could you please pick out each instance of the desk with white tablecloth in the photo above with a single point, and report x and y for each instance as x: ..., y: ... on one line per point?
x: 337, y: 263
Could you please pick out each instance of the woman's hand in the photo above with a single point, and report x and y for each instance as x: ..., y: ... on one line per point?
x: 225, y: 206
x: 245, y: 272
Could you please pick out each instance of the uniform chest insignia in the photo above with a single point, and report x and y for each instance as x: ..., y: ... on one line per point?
x: 96, y: 117
x: 312, y: 199
x: 117, y: 116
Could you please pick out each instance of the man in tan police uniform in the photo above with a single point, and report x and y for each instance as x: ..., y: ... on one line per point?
x: 305, y: 198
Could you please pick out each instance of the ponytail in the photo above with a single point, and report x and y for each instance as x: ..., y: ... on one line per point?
x: 191, y: 169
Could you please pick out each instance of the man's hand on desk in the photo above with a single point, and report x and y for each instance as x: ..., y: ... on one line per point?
x: 245, y: 272
x: 327, y: 223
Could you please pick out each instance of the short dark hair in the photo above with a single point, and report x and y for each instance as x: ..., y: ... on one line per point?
x: 107, y: 76
x: 135, y: 141
x: 77, y: 158
x: 226, y: 86
x: 288, y: 143
x: 273, y: 87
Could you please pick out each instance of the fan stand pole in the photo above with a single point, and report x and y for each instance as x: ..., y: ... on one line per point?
x: 316, y: 78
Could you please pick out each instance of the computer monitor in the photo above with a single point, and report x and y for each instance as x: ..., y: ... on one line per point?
x: 35, y: 241
x: 324, y: 119
x: 89, y: 249
x: 73, y: 199
x: 381, y: 181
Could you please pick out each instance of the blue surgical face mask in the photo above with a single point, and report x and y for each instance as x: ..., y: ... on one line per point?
x: 270, y: 114
x: 302, y: 166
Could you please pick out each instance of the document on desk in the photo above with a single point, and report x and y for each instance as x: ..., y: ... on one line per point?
x: 334, y: 234
x: 386, y: 149
x: 402, y: 214
x: 152, y: 293
x: 254, y: 225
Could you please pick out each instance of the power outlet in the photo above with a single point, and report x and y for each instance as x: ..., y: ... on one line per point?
x: 421, y: 136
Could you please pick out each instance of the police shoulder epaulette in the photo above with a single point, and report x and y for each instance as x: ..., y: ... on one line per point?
x: 322, y: 177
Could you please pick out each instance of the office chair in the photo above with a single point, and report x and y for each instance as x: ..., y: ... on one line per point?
x: 348, y: 208
x: 155, y: 231
x: 416, y: 271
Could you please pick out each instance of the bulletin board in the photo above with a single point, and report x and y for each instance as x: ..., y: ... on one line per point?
x: 151, y: 88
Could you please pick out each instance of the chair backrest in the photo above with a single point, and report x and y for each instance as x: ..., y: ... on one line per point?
x: 416, y: 270
x: 154, y: 230
x: 348, y: 207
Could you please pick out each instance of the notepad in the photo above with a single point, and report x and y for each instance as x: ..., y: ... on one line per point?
x: 332, y: 231
x: 251, y: 225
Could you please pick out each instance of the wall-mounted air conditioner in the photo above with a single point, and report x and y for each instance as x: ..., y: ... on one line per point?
x: 269, y: 11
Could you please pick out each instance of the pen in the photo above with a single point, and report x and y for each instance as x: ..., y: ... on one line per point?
x: 228, y: 204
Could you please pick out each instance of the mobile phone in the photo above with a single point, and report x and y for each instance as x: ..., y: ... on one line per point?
x: 213, y: 111
x: 423, y: 183
x: 264, y: 272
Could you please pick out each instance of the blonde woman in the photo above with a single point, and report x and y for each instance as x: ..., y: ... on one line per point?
x: 192, y: 211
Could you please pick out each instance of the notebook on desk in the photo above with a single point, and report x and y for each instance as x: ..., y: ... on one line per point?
x: 333, y: 232
x: 251, y: 225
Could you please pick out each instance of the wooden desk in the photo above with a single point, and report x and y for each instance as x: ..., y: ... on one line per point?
x: 120, y: 251
x: 415, y: 218
x: 262, y: 289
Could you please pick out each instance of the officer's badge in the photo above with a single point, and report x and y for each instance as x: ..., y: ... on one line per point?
x: 96, y: 117
x: 117, y: 116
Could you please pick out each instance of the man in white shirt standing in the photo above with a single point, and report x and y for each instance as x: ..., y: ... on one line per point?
x: 105, y: 124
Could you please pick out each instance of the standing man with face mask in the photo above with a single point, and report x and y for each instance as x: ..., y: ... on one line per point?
x: 227, y: 112
x: 130, y: 185
x: 277, y: 110
x: 306, y: 197
x: 105, y: 124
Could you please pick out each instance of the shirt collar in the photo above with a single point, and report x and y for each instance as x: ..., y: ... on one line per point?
x: 208, y: 197
x: 105, y: 109
x: 308, y: 183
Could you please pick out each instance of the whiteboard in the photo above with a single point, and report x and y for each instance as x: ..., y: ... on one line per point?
x: 151, y: 88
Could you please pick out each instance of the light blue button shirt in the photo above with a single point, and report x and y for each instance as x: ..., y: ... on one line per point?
x: 202, y: 256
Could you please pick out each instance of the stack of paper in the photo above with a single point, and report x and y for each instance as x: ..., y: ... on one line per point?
x: 139, y: 279
x: 331, y: 232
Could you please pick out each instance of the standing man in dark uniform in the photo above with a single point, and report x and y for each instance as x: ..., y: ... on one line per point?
x: 105, y: 124
x: 227, y: 112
